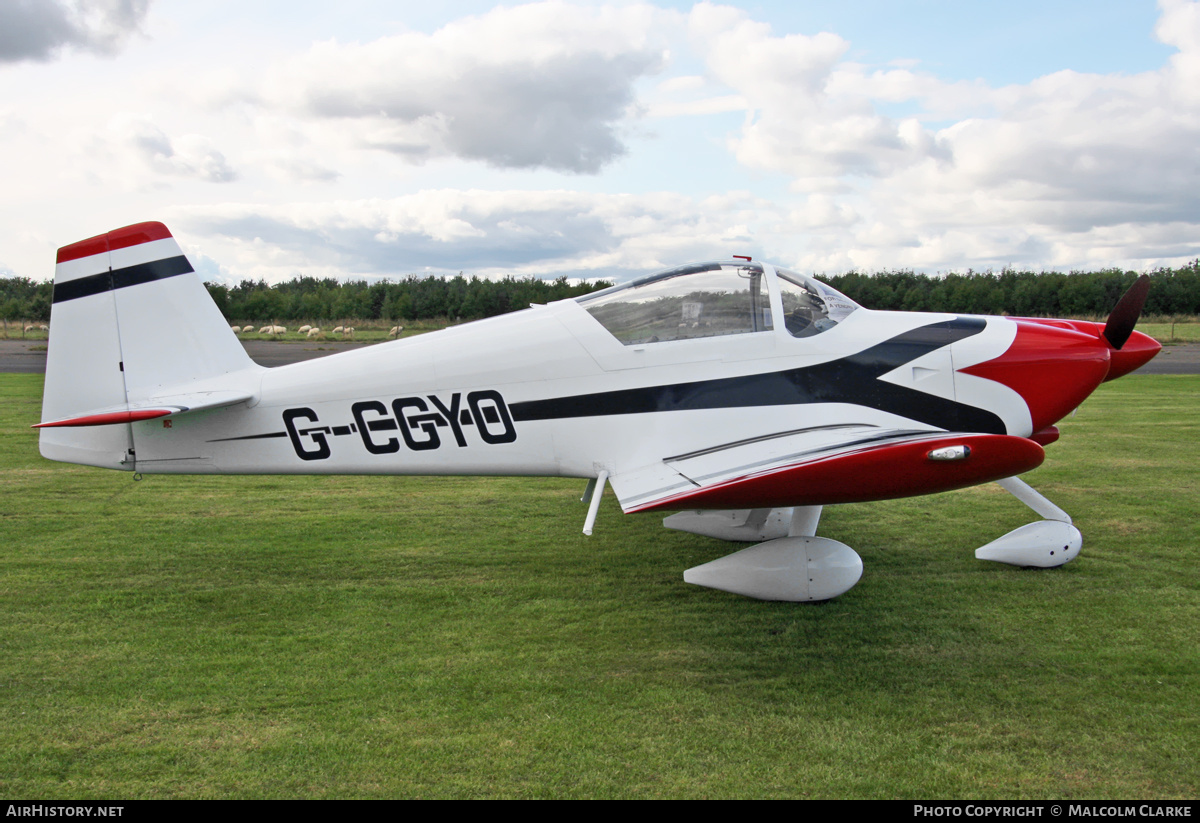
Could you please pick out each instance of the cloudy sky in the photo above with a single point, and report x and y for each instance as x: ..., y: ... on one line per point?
x: 371, y: 138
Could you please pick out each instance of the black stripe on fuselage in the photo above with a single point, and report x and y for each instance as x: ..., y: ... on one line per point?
x: 120, y: 278
x: 853, y: 380
x: 249, y: 437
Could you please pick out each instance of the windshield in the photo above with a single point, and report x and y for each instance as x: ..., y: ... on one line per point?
x: 698, y: 300
x: 809, y: 306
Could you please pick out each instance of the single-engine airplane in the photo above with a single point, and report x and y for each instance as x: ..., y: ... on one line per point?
x: 744, y: 394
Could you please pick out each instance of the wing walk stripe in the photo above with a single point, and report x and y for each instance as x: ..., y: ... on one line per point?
x: 121, y: 278
x: 852, y: 380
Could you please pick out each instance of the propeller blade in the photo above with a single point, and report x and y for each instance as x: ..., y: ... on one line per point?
x: 1126, y: 313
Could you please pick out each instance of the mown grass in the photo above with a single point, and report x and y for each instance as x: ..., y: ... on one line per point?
x: 1171, y: 330
x: 458, y: 637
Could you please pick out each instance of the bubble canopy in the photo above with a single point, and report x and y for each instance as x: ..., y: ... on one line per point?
x: 716, y: 299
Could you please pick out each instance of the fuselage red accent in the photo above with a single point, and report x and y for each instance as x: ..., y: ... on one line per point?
x: 1138, y: 350
x: 1053, y: 367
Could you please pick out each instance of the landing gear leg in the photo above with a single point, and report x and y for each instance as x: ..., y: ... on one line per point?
x: 1050, y: 542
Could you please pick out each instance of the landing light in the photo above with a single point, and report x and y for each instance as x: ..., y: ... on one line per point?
x: 951, y: 453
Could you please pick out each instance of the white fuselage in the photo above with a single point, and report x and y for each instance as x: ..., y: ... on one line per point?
x: 310, y: 417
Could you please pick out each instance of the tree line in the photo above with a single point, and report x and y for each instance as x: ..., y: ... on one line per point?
x: 1022, y: 293
x: 413, y: 298
x: 1025, y: 293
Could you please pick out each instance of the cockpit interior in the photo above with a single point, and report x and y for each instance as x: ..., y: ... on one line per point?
x: 714, y: 299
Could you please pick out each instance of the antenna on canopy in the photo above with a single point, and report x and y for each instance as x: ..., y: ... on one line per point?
x: 745, y: 257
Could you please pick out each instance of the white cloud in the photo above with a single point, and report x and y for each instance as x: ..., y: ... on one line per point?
x: 490, y: 233
x: 291, y: 168
x: 541, y: 85
x: 39, y: 29
x: 1022, y: 174
x: 1179, y: 26
x: 141, y: 153
x: 811, y: 114
x: 489, y: 119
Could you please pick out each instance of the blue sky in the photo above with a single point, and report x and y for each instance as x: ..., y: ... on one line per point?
x: 1011, y: 42
x: 373, y: 139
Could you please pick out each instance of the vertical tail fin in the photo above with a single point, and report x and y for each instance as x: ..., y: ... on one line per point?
x: 130, y: 319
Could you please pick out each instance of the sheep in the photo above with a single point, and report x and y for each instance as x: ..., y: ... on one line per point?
x: 348, y: 331
x: 246, y: 329
x: 303, y: 329
x: 314, y: 331
x: 394, y: 331
x: 337, y: 330
x: 44, y: 327
x: 265, y: 330
x: 30, y: 327
x: 236, y: 329
x: 279, y: 330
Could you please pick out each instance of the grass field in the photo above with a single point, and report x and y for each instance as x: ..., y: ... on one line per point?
x: 412, y: 637
x: 1165, y: 331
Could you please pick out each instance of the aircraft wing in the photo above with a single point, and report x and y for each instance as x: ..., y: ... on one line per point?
x: 823, y: 465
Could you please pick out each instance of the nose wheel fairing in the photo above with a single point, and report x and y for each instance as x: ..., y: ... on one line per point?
x: 1051, y: 542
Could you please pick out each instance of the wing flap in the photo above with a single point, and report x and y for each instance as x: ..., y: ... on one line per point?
x: 647, y: 484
